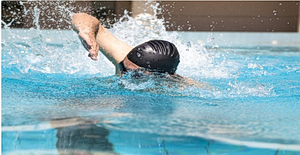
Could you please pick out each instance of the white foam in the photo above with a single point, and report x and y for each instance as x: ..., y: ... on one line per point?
x: 71, y: 58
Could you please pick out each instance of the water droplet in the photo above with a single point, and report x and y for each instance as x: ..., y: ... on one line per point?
x: 288, y: 23
x: 138, y: 54
x: 189, y: 44
x: 280, y: 3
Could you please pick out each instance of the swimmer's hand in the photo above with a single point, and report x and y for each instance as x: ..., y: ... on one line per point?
x: 87, y: 27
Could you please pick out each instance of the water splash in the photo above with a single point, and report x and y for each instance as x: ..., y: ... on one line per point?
x: 69, y: 56
x: 48, y: 51
x: 196, y: 60
x: 37, y: 50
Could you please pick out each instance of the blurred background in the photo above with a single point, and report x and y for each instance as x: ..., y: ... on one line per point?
x: 238, y: 16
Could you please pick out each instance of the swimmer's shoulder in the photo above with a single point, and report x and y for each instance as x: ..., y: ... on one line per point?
x: 185, y: 81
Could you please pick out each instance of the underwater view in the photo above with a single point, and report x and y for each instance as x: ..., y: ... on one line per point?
x: 56, y: 100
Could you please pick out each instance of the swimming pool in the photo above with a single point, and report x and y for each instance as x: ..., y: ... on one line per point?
x: 56, y: 100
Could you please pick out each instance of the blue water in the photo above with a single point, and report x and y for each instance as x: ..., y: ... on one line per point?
x: 252, y: 104
x: 56, y: 100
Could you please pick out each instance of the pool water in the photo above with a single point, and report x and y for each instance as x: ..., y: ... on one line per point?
x: 55, y: 100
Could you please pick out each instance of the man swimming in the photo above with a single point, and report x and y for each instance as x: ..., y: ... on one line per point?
x: 155, y: 56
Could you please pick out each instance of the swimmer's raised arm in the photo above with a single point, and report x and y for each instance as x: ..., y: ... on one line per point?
x: 86, y: 26
x: 92, y: 33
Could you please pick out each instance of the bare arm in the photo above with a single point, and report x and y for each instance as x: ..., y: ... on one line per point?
x: 115, y: 49
x: 96, y: 36
x: 86, y: 26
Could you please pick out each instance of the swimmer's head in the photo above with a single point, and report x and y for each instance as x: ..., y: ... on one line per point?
x: 157, y: 56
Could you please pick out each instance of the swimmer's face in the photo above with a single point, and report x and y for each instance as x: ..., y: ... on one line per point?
x: 128, y: 66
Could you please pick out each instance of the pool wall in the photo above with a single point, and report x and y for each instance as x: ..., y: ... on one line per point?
x: 233, y: 16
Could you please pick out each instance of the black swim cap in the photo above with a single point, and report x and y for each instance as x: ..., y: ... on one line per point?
x: 156, y: 56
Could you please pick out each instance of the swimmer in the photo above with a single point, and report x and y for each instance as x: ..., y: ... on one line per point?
x: 155, y: 56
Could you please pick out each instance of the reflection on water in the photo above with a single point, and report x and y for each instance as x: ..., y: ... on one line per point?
x: 83, y: 136
x: 102, y: 110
